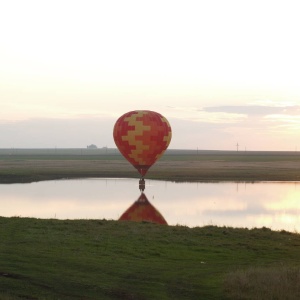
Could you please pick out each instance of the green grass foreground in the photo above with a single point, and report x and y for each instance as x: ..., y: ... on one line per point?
x: 99, y: 259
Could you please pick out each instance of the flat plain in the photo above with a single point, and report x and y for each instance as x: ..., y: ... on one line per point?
x: 27, y: 165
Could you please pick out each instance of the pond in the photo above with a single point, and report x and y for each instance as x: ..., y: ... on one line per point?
x: 271, y: 204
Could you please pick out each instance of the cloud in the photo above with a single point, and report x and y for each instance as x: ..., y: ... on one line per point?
x: 198, y: 131
x: 50, y: 133
x: 253, y: 127
x: 253, y: 110
x: 195, y: 114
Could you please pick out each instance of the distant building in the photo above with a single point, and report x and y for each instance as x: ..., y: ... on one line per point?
x: 92, y: 146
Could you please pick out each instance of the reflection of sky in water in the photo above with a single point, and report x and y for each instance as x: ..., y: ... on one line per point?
x: 275, y: 205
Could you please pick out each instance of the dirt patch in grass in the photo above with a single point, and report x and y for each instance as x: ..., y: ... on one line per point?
x: 282, y: 282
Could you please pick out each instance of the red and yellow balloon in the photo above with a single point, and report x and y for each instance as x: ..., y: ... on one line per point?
x: 142, y: 136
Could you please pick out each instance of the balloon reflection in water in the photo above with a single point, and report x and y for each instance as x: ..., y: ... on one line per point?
x: 143, y: 210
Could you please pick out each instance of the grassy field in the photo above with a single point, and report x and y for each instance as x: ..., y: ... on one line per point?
x: 99, y: 259
x: 27, y: 165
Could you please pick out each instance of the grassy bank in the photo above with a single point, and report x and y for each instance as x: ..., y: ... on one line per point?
x: 98, y: 259
x: 177, y: 165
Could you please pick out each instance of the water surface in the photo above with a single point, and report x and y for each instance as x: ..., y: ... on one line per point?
x: 272, y: 204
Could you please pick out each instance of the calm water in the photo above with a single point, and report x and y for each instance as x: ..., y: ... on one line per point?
x: 275, y: 205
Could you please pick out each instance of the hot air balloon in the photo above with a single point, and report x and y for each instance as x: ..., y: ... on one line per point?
x: 142, y: 136
x: 143, y: 210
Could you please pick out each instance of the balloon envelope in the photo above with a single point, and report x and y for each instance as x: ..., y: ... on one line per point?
x: 143, y: 210
x: 142, y: 136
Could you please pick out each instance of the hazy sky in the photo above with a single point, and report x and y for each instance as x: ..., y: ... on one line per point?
x: 221, y: 72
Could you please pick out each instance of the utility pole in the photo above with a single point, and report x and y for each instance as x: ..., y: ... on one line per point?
x: 237, y: 147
